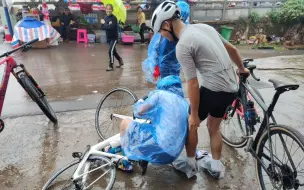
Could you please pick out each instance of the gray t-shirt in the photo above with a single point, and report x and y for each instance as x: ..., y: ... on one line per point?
x: 201, y: 47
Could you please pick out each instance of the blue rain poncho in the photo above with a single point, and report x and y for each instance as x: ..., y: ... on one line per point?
x: 162, y: 141
x: 161, y: 60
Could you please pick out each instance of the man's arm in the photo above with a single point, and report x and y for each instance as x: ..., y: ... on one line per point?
x: 234, y: 54
x: 185, y: 58
x: 194, y: 95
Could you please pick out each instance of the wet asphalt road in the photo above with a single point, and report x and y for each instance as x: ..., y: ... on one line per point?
x: 32, y: 148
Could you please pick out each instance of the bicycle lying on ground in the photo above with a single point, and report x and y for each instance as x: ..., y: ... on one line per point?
x: 95, y: 167
x: 92, y: 166
x: 272, y: 173
x: 9, y: 65
x: 88, y: 169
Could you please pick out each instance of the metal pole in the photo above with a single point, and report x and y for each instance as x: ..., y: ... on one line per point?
x: 8, y: 20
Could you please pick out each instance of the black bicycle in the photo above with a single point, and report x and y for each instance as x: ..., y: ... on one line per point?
x: 278, y: 165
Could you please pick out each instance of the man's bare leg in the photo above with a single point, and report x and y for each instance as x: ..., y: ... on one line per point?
x: 191, y: 142
x: 124, y: 125
x: 213, y: 125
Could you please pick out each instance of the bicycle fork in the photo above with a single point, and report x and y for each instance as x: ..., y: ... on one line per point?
x: 24, y: 70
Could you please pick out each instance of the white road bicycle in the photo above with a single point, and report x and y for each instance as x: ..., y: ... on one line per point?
x: 95, y: 168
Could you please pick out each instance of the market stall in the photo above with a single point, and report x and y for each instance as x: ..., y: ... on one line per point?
x: 30, y: 27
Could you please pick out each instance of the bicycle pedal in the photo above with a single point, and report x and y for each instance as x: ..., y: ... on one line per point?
x: 76, y: 154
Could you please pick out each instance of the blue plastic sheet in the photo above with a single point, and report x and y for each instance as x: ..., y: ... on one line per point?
x: 30, y: 23
x: 185, y: 11
x: 161, y: 52
x: 162, y: 141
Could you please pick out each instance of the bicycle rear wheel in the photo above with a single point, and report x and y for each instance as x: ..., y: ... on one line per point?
x: 118, y: 101
x: 62, y: 179
x: 287, y: 168
x: 233, y: 127
x: 37, y: 97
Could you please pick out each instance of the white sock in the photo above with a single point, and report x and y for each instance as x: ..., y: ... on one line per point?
x: 215, y: 165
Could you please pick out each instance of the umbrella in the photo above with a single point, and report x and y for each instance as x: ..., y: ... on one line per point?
x: 30, y: 23
x: 119, y: 9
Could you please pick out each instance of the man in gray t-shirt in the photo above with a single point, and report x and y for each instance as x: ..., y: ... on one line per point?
x: 201, y: 48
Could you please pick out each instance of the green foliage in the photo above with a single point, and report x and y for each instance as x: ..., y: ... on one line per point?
x: 275, y: 17
x: 254, y: 17
x: 291, y: 11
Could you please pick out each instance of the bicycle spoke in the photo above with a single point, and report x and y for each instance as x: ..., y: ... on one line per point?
x: 300, y: 163
x: 275, y: 144
x: 275, y: 156
x: 288, y: 154
x: 291, y: 146
x: 284, y: 151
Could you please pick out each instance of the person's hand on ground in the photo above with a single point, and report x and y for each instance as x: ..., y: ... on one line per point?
x: 194, y: 122
x: 102, y: 21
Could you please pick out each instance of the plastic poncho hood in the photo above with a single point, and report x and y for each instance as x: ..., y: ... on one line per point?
x: 161, y: 60
x: 171, y: 83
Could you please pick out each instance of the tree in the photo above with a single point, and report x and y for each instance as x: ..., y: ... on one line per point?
x: 292, y: 11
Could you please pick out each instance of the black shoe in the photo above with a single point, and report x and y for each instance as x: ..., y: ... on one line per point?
x: 121, y: 63
x: 109, y: 69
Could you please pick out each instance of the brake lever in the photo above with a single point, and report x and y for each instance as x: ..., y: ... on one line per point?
x: 253, y: 76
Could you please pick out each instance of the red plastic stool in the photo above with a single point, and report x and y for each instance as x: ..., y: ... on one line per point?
x: 82, y: 36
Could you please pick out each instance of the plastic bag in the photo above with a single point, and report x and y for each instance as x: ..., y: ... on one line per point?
x: 162, y: 141
x: 184, y: 10
x: 135, y: 28
x: 161, y: 53
x: 181, y: 164
x: 149, y: 64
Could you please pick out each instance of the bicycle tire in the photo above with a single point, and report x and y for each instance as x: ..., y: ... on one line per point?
x: 59, y: 172
x: 275, y: 129
x: 128, y: 91
x: 242, y: 143
x: 226, y: 140
x: 34, y: 93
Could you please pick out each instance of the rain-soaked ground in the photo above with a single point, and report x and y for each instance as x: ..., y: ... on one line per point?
x: 74, y: 78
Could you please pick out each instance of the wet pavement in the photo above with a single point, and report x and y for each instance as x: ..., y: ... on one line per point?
x: 70, y: 72
x: 33, y: 148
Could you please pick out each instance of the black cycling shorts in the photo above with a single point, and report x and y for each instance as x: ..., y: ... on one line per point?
x: 214, y: 103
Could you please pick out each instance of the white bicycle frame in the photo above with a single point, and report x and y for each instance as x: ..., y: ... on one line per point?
x: 83, y: 167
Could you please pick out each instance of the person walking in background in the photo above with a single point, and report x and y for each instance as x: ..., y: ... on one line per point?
x: 110, y: 25
x: 141, y: 19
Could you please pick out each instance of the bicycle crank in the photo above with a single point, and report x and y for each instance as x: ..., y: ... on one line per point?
x: 1, y: 125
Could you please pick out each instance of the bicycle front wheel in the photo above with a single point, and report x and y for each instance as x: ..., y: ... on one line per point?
x: 119, y: 101
x: 101, y: 175
x: 285, y: 146
x: 37, y: 97
x: 233, y: 127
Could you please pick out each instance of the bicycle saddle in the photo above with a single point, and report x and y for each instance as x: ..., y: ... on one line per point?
x: 279, y: 85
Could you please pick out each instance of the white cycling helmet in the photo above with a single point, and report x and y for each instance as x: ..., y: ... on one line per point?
x: 164, y: 11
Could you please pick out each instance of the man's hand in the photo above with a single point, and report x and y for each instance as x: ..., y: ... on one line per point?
x: 194, y: 122
x: 62, y: 23
x: 244, y: 71
x: 102, y: 21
